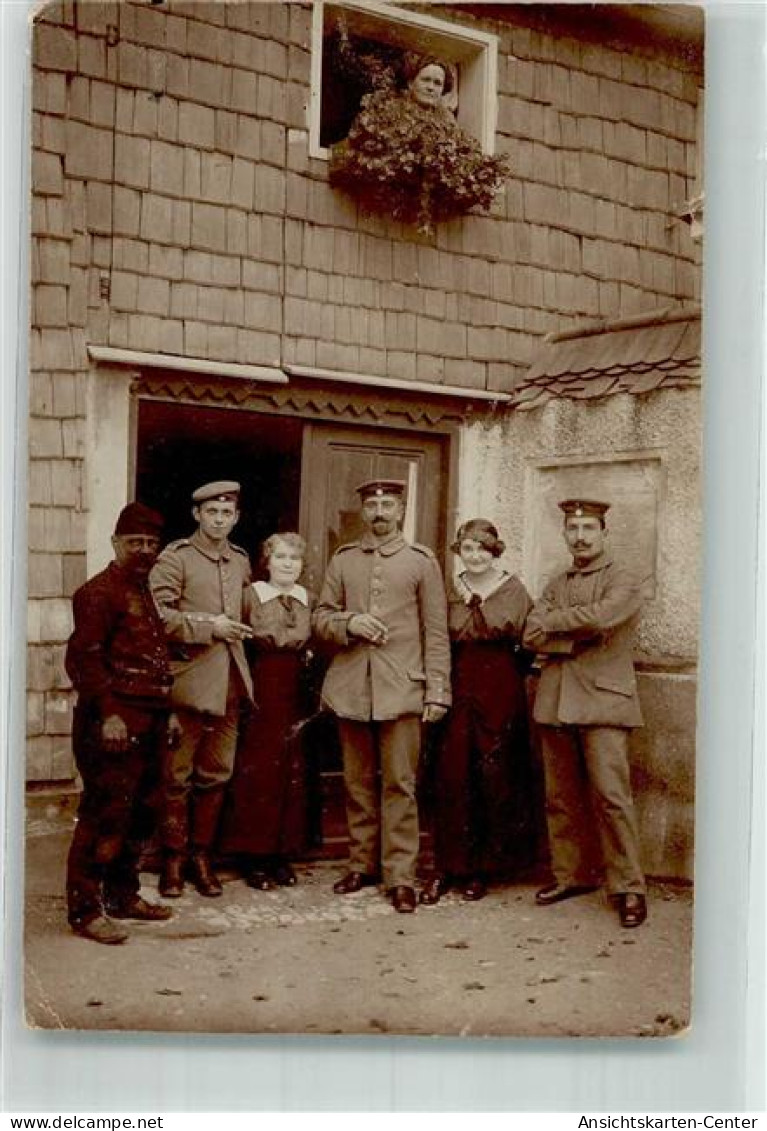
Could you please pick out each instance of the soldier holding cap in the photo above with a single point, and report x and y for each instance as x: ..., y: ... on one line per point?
x: 586, y: 703
x: 200, y: 584
x: 117, y: 659
x: 383, y: 605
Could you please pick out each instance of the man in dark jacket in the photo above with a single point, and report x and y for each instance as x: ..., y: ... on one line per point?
x: 583, y: 627
x: 117, y: 660
x: 383, y: 605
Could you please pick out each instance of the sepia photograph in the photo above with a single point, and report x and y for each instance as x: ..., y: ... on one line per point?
x: 364, y: 526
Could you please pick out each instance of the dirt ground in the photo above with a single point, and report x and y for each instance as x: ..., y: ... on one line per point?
x: 305, y: 960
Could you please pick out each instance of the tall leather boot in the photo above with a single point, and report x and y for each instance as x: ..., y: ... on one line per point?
x: 206, y: 809
x: 171, y: 883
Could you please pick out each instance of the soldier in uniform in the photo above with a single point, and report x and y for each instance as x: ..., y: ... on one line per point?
x: 117, y: 659
x: 586, y: 703
x: 383, y: 605
x: 200, y: 584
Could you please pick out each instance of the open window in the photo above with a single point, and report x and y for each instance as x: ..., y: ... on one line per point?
x: 384, y: 33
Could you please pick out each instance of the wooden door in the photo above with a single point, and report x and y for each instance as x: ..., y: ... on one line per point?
x: 336, y: 459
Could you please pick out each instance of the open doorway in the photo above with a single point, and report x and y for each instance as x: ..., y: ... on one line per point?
x: 179, y: 447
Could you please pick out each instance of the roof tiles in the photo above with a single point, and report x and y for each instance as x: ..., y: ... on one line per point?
x: 631, y: 355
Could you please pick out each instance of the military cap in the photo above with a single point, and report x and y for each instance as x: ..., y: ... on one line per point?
x: 224, y: 490
x: 136, y: 518
x: 580, y: 507
x: 381, y: 487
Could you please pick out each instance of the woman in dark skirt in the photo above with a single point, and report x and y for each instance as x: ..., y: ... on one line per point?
x: 484, y: 747
x: 265, y: 819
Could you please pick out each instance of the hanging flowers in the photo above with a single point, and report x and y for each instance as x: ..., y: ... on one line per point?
x: 406, y: 157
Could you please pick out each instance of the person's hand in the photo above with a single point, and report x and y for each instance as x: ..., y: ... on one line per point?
x: 114, y: 733
x: 175, y: 730
x: 226, y: 629
x: 367, y: 627
x: 433, y: 713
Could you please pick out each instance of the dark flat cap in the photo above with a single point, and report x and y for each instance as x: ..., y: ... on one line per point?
x: 381, y: 487
x: 225, y: 490
x: 580, y: 507
x: 138, y: 519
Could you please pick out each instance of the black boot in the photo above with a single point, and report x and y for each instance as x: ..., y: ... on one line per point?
x: 171, y: 883
x: 203, y: 877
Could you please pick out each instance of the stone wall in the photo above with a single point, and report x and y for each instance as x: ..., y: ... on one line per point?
x: 175, y: 209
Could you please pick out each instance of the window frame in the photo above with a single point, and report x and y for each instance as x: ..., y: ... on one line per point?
x: 475, y: 51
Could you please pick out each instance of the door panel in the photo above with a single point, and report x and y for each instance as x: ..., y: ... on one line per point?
x: 336, y: 460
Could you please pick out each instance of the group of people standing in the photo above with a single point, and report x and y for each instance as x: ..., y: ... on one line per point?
x: 188, y: 670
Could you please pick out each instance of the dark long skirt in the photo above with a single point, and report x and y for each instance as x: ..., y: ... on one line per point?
x: 265, y: 811
x: 484, y: 795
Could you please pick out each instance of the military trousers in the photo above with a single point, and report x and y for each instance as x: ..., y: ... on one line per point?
x: 588, y: 792
x: 195, y: 773
x: 116, y: 813
x: 380, y: 763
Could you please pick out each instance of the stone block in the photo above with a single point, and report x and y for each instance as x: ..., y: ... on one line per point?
x: 177, y: 76
x: 44, y: 437
x: 58, y: 713
x: 98, y: 207
x: 73, y: 438
x: 124, y: 290
x: 198, y: 267
x: 211, y: 83
x: 648, y: 188
x: 244, y: 91
x: 132, y: 64
x: 195, y: 339
x: 208, y: 227
x: 132, y: 157
x: 402, y: 364
x: 54, y: 48
x: 124, y: 104
x: 465, y: 373
x: 50, y: 305
x: 64, y: 387
x: 166, y: 168
x: 154, y: 297
x: 258, y: 348
x: 156, y: 218
x: 44, y: 579
x: 55, y: 620
x: 92, y: 56
x: 201, y: 40
x: 236, y: 231
x: 270, y: 190
x: 226, y: 131
x: 131, y: 255
x: 94, y: 19
x: 222, y: 342
x: 145, y: 114
x: 166, y: 262
x: 234, y: 307
x: 210, y: 304
x: 183, y: 300
x: 47, y: 174
x: 215, y: 178
x: 149, y: 26
x: 39, y: 484
x: 39, y: 761
x: 167, y: 119
x: 196, y: 125
x: 181, y: 223
x: 50, y: 92
x: 262, y: 311
x: 146, y: 332
x: 176, y: 34
x: 54, y: 261
x: 35, y: 711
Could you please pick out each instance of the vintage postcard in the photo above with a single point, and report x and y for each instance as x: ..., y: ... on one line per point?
x: 364, y: 517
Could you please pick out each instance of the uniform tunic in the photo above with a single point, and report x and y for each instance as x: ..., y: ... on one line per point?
x: 482, y: 781
x: 378, y: 691
x: 265, y: 812
x: 117, y: 659
x: 192, y: 584
x: 587, y: 701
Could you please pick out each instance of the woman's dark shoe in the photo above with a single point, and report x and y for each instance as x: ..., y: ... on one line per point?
x: 260, y: 880
x: 475, y: 889
x: 283, y: 874
x: 433, y: 890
